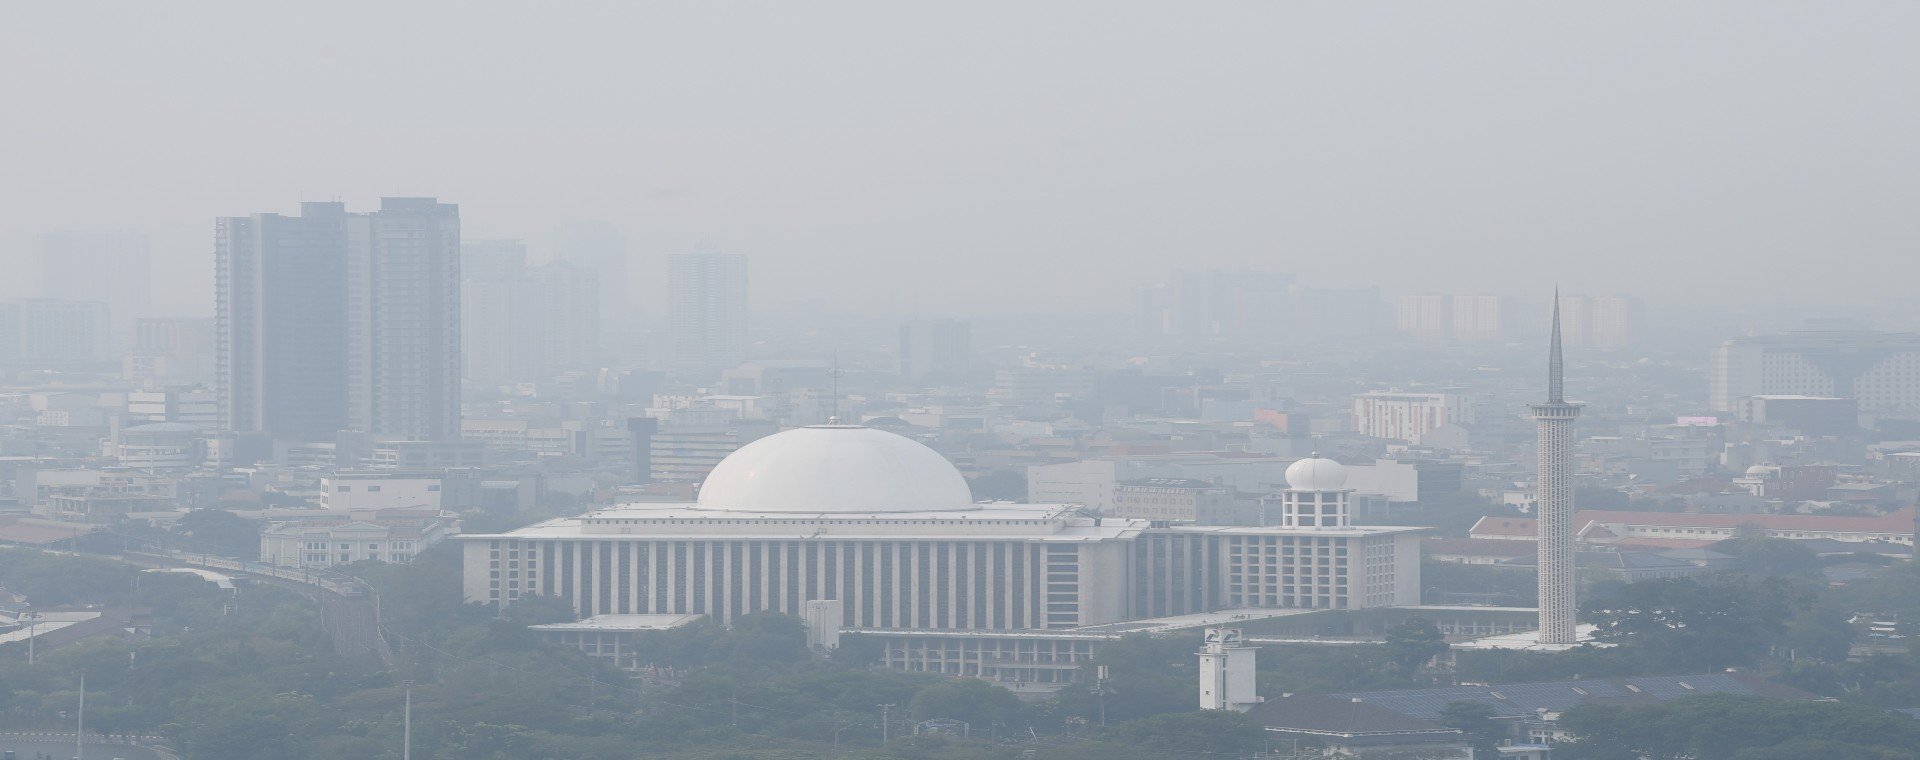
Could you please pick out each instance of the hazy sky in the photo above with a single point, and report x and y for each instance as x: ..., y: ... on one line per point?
x: 1023, y: 156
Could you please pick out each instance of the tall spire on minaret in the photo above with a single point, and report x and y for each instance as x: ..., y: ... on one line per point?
x: 1556, y: 391
x: 1553, y: 501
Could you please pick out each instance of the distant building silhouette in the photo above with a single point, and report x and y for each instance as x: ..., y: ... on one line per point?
x: 707, y: 310
x: 938, y: 347
x: 113, y: 267
x: 44, y: 331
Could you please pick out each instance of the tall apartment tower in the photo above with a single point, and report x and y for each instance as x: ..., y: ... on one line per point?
x: 403, y: 320
x: 707, y: 310
x: 112, y: 267
x: 332, y: 321
x: 1554, y: 500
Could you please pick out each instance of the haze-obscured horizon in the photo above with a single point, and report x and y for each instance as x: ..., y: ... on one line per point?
x: 1002, y: 157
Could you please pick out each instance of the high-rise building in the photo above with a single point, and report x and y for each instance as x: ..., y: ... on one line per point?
x: 493, y: 260
x: 525, y: 324
x: 1880, y: 369
x: 599, y: 248
x: 568, y: 296
x: 403, y: 320
x: 1425, y: 316
x: 172, y: 351
x: 44, y: 331
x: 1480, y: 318
x: 707, y: 310
x: 113, y: 267
x: 1407, y: 416
x: 942, y: 348
x: 1601, y: 321
x: 1218, y: 304
x: 500, y: 339
x: 1435, y: 317
x: 332, y: 321
x: 1553, y: 500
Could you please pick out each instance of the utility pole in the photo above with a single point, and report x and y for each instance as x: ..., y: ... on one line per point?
x: 406, y: 724
x: 31, y: 629
x: 886, y: 710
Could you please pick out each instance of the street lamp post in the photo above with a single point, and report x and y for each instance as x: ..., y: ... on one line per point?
x: 80, y: 723
x: 836, y: 735
x: 406, y: 724
x: 31, y: 629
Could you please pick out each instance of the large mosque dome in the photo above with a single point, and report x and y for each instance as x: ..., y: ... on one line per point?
x: 1317, y: 474
x: 835, y: 468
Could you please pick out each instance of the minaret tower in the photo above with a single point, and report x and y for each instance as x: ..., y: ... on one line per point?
x: 1553, y: 500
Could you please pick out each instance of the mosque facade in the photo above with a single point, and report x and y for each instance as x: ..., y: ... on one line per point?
x: 888, y: 528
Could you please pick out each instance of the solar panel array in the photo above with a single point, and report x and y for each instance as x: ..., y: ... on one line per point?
x: 1426, y: 704
x: 1556, y: 696
x: 1669, y: 687
x: 1525, y: 699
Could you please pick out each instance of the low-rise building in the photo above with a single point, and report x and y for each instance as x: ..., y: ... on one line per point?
x: 393, y: 535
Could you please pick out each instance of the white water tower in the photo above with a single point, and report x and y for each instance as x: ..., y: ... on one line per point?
x: 1226, y: 671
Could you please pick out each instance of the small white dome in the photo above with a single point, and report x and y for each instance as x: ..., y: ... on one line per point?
x: 1316, y: 474
x: 835, y: 468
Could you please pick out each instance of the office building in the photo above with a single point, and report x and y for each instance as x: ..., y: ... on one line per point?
x: 707, y: 311
x: 1408, y: 416
x: 112, y: 267
x: 332, y: 321
x: 1881, y: 370
x: 940, y: 348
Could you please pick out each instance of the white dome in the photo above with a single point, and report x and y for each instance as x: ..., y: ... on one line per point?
x: 835, y: 468
x: 1316, y: 474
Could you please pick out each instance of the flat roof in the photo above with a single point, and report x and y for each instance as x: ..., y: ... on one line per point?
x: 620, y: 623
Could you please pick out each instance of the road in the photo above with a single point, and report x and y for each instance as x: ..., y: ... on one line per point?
x: 349, y: 610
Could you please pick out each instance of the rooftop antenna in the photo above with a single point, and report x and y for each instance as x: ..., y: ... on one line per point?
x: 833, y: 415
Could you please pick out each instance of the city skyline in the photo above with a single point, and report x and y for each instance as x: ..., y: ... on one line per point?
x: 1283, y: 150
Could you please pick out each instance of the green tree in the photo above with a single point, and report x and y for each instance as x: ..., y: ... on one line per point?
x: 1218, y: 732
x: 217, y: 531
x: 978, y: 703
x: 1728, y: 727
x: 999, y: 485
x: 1414, y: 642
x: 540, y: 609
x: 1697, y: 624
x: 1762, y: 555
x: 1475, y: 719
